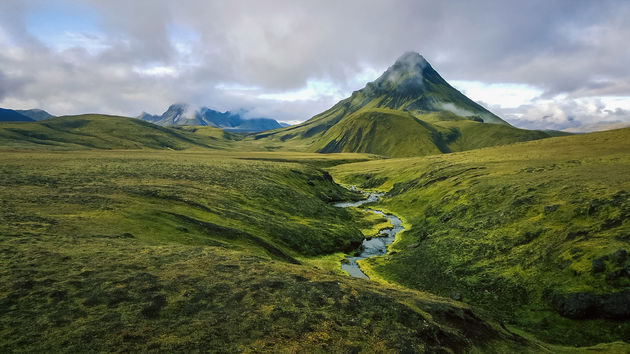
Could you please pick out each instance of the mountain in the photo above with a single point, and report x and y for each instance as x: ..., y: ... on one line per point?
x: 235, y: 122
x: 411, y: 84
x: 179, y: 114
x: 95, y: 131
x: 35, y: 114
x: 174, y: 115
x: 23, y: 115
x: 9, y: 115
x: 410, y: 110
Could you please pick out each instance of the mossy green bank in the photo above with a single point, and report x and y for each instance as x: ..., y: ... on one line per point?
x: 535, y: 233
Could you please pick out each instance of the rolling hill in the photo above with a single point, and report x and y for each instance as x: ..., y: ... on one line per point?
x: 94, y: 131
x: 536, y: 233
x: 410, y: 110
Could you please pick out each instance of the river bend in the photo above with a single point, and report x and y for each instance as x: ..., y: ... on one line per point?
x: 376, y: 246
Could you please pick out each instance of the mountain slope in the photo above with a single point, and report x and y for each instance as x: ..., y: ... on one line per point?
x: 410, y: 110
x: 536, y: 233
x: 178, y: 114
x: 9, y: 115
x: 412, y: 84
x: 93, y: 131
x: 371, y: 131
x: 23, y: 115
x: 35, y: 114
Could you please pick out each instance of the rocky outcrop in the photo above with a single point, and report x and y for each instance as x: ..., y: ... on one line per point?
x: 582, y: 305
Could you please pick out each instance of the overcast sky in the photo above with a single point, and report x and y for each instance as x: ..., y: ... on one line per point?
x: 537, y: 64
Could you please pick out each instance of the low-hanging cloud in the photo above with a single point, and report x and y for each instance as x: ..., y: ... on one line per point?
x: 146, y: 54
x: 569, y: 115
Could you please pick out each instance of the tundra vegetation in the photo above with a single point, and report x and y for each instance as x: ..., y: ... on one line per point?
x: 120, y: 235
x: 159, y: 249
x: 536, y: 233
x: 180, y: 251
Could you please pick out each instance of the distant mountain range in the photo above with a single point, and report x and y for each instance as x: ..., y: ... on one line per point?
x: 179, y: 114
x: 176, y: 115
x: 19, y: 115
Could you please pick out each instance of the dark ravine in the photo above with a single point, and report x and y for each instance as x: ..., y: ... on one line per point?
x: 376, y: 246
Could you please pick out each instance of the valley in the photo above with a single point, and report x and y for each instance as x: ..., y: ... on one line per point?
x: 373, y: 244
x: 155, y: 250
x: 118, y: 234
x: 521, y: 227
x: 126, y: 239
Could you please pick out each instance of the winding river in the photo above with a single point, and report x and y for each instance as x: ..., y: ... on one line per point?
x: 376, y: 246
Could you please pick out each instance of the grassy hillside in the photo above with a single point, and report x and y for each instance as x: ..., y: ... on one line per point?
x: 535, y: 233
x: 465, y: 135
x: 193, y: 198
x: 199, y: 251
x: 391, y: 133
x: 95, y: 131
x: 382, y: 132
x: 123, y: 295
x: 376, y: 131
x: 404, y: 134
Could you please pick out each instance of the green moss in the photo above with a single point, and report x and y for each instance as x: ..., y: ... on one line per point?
x: 153, y: 249
x: 369, y: 223
x: 194, y: 251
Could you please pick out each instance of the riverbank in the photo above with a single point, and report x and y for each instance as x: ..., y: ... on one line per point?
x: 371, y: 246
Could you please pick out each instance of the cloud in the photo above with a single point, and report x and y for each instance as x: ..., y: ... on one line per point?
x: 134, y: 56
x: 455, y: 109
x: 157, y: 71
x: 560, y: 114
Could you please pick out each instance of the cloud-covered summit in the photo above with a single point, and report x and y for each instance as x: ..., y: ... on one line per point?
x: 409, y: 67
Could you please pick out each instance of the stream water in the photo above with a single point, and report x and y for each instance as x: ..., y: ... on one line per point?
x: 376, y: 246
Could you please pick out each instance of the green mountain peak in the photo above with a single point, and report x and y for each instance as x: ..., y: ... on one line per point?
x: 410, y: 110
x: 412, y: 84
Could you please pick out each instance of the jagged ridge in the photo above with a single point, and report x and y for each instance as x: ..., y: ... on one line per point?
x: 179, y: 114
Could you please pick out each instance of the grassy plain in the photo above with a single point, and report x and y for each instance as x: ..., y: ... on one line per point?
x: 187, y: 197
x: 195, y: 251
